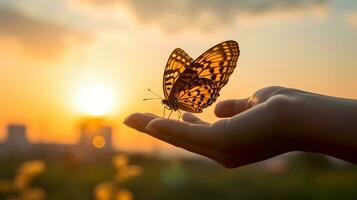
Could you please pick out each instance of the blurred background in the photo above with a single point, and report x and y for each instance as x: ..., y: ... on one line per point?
x: 72, y: 70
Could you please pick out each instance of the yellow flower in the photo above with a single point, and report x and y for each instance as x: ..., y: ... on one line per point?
x: 104, y: 191
x: 120, y: 161
x: 128, y: 172
x: 27, y: 172
x: 124, y: 195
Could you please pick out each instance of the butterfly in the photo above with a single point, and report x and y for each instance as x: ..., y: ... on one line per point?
x: 192, y: 85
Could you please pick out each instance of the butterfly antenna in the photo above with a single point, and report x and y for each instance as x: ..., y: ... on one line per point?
x: 150, y: 99
x: 154, y: 93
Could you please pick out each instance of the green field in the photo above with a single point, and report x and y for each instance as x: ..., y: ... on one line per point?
x: 305, y: 176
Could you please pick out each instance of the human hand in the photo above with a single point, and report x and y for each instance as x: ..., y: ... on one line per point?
x: 253, y: 129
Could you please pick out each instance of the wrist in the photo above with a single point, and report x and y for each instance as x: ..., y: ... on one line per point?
x: 322, y: 124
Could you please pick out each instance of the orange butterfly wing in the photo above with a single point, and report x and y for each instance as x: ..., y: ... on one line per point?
x: 198, y: 86
x: 196, y: 94
x: 217, y: 63
x: 177, y: 63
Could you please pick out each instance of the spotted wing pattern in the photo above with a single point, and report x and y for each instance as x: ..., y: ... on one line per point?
x: 195, y: 94
x: 195, y: 84
x: 217, y: 63
x: 178, y: 62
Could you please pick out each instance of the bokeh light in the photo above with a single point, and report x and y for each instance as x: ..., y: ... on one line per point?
x: 98, y: 141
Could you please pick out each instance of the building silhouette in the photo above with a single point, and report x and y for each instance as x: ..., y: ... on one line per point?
x: 95, y: 141
x: 95, y: 137
x: 16, y: 139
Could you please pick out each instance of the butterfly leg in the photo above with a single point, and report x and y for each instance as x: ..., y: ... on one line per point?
x: 166, y: 108
x: 170, y: 114
x: 179, y: 115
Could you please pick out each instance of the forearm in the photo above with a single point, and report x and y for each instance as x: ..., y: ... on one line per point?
x: 326, y: 125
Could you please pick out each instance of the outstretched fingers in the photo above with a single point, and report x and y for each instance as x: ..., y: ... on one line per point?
x: 183, y: 131
x: 139, y: 121
x: 193, y: 137
x: 229, y: 108
x: 188, y: 117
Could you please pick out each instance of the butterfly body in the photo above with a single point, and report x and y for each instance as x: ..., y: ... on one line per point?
x: 192, y: 85
x: 171, y: 104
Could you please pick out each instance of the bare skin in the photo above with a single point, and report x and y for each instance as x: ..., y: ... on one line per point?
x: 273, y: 121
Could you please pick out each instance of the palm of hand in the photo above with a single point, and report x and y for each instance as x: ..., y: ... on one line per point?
x: 250, y: 131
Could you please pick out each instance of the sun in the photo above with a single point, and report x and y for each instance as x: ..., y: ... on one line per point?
x: 95, y: 100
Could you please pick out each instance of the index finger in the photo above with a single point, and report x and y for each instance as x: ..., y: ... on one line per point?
x: 193, y: 137
x: 139, y: 121
x: 200, y: 134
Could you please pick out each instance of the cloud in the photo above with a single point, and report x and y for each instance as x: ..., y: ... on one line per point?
x: 39, y: 37
x: 205, y: 15
x: 351, y: 19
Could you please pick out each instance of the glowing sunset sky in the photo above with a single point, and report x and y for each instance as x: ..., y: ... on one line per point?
x: 53, y: 51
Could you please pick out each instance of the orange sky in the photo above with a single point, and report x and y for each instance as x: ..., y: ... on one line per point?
x: 52, y: 52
